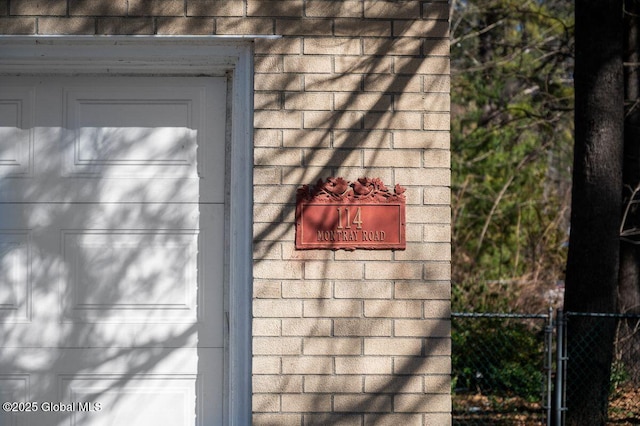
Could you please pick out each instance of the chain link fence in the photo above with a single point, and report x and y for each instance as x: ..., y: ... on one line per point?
x: 501, y: 369
x: 511, y: 369
x: 581, y: 357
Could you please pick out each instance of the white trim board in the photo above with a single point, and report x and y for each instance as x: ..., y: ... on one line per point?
x: 194, y: 55
x: 188, y: 56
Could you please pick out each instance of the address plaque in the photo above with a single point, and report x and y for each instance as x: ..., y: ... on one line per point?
x: 338, y: 214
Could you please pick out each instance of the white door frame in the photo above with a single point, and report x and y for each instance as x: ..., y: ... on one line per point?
x: 182, y: 56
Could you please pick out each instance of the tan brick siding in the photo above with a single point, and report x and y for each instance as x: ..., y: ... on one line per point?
x: 371, y: 98
x: 353, y: 88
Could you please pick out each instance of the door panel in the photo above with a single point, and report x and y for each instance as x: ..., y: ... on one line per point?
x: 114, y: 386
x: 143, y: 133
x: 16, y: 131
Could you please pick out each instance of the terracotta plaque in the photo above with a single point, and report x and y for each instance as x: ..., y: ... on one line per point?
x: 337, y: 214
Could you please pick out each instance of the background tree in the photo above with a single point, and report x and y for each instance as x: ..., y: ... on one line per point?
x: 512, y: 139
x: 629, y: 287
x: 512, y: 130
x: 629, y: 280
x: 594, y: 255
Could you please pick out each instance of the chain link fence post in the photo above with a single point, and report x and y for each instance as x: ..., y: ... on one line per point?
x: 548, y: 365
x: 561, y: 363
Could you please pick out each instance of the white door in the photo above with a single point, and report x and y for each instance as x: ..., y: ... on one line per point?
x: 112, y: 241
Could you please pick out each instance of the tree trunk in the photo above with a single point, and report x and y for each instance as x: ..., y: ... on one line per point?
x: 594, y: 247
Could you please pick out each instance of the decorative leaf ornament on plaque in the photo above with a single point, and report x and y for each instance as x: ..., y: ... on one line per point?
x: 338, y: 214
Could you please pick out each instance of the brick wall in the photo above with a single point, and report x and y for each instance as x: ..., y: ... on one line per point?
x: 353, y: 88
